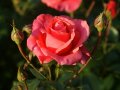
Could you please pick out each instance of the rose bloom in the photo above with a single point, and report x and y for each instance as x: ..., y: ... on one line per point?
x: 63, y: 5
x: 112, y: 7
x: 59, y: 38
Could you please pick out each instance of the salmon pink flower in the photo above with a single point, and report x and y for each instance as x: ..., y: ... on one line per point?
x: 60, y: 38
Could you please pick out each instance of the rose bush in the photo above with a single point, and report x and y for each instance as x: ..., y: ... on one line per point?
x: 63, y: 5
x: 60, y: 38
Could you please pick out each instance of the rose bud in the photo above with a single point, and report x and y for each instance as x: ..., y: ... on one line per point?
x: 17, y: 36
x: 27, y: 29
x: 101, y: 22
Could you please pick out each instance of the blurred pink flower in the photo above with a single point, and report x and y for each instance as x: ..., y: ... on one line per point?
x: 60, y: 38
x: 63, y: 5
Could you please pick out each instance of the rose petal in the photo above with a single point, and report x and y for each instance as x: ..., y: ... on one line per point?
x: 82, y: 32
x: 67, y: 20
x: 42, y: 58
x: 70, y: 59
x: 31, y: 42
x: 60, y: 35
x: 85, y: 55
x: 63, y: 5
x: 53, y: 42
x: 70, y: 28
x: 66, y: 46
x: 52, y: 3
x: 70, y: 5
x: 64, y: 60
x: 32, y: 45
x: 41, y: 22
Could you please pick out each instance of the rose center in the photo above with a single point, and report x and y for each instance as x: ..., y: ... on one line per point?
x: 60, y: 26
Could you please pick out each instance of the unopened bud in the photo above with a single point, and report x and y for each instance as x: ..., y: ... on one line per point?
x: 20, y: 75
x: 101, y: 22
x: 17, y: 36
x: 27, y: 29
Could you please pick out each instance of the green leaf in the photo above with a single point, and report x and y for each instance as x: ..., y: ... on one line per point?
x: 108, y: 83
x: 51, y: 85
x: 118, y: 46
x: 92, y: 82
x: 59, y: 85
x: 53, y: 62
x: 111, y: 58
x: 18, y: 86
x: 65, y: 76
x: 71, y: 68
x: 118, y: 87
x: 36, y: 74
x: 114, y: 35
x: 33, y: 84
x: 115, y: 68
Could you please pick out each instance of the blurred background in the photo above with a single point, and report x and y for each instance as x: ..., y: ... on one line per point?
x: 103, y: 72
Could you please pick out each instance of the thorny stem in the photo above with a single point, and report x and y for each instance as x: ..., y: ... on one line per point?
x: 90, y: 8
x: 98, y: 41
x: 23, y: 54
x: 106, y: 36
x: 26, y: 87
x: 94, y: 49
x: 81, y: 69
x: 28, y: 61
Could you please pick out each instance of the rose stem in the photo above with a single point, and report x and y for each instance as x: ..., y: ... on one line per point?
x: 28, y: 61
x: 90, y: 8
x: 57, y: 71
x: 26, y: 87
x: 81, y: 69
x: 98, y: 41
x: 106, y: 36
x: 94, y: 49
x: 49, y: 71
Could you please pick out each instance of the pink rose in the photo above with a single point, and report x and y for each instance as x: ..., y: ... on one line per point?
x: 63, y: 5
x: 60, y: 38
